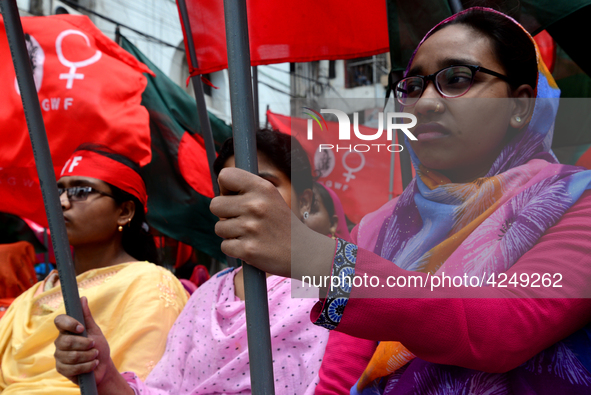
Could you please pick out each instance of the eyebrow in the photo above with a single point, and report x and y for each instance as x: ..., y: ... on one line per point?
x: 442, y: 63
x: 268, y: 176
x: 77, y: 183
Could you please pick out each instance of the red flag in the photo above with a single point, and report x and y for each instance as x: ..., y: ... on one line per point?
x: 547, y: 47
x: 193, y: 164
x: 90, y: 91
x: 291, y: 31
x: 585, y: 159
x: 360, y: 179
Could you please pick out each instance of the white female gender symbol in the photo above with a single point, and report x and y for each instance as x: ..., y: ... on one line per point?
x: 349, y: 174
x: 72, y: 75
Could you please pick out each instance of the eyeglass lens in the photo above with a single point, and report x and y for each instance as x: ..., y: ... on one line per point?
x: 76, y: 194
x: 451, y: 82
x: 454, y: 81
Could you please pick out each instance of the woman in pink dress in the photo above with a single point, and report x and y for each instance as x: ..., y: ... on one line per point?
x: 490, y: 208
x: 207, y: 348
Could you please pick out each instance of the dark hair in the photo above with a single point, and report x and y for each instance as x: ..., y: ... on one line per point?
x: 512, y: 46
x: 284, y: 151
x: 325, y: 197
x: 136, y: 239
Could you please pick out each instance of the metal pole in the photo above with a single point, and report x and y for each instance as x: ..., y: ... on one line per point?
x: 374, y: 77
x: 46, y: 254
x: 118, y: 35
x: 405, y: 161
x: 392, y: 161
x: 55, y: 218
x: 405, y: 164
x: 243, y: 124
x: 455, y: 6
x: 206, y: 132
x: 255, y: 94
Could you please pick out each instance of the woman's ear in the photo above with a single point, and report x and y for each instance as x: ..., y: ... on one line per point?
x: 127, y: 213
x: 305, y: 202
x: 524, y: 102
x: 334, y: 224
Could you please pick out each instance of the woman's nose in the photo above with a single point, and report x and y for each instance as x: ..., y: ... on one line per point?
x: 430, y: 100
x: 65, y: 202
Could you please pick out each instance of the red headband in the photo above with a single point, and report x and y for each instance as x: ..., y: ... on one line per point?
x: 91, y: 164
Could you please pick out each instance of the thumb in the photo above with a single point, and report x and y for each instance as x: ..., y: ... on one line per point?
x: 91, y: 326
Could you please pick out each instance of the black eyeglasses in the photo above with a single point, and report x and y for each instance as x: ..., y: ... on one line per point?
x: 451, y: 81
x: 79, y: 194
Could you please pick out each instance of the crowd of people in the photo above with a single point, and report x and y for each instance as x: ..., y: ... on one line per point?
x: 489, y: 200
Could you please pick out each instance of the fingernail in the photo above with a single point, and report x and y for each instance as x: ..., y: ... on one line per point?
x: 92, y: 344
x: 79, y: 328
x: 96, y: 363
x: 96, y: 353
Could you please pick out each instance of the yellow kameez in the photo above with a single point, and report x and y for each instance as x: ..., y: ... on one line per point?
x: 135, y: 304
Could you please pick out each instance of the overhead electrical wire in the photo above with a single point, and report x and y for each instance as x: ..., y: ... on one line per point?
x: 273, y: 79
x: 279, y: 90
x: 295, y: 75
x: 171, y: 24
x: 152, y: 38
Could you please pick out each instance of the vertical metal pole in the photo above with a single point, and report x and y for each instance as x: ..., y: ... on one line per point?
x: 46, y: 254
x: 243, y: 124
x: 255, y: 94
x: 392, y: 161
x: 405, y: 164
x: 118, y: 35
x: 455, y: 6
x: 206, y: 132
x: 267, y: 117
x: 55, y: 217
x: 395, y: 60
x: 374, y: 77
x: 405, y: 161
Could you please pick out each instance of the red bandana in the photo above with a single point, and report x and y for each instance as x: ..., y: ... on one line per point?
x: 91, y: 164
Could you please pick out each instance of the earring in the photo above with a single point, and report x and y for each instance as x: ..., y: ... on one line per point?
x: 129, y: 223
x: 332, y: 236
x: 120, y: 228
x: 306, y: 215
x: 518, y: 119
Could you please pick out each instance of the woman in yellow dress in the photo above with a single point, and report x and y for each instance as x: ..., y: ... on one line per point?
x: 103, y: 199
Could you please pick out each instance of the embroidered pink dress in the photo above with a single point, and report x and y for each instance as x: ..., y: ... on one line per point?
x: 207, y: 348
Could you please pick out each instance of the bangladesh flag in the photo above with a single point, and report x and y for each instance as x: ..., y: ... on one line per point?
x: 177, y: 179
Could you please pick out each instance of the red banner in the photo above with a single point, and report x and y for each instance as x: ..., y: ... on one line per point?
x: 585, y: 159
x: 291, y: 31
x: 89, y: 90
x: 547, y: 47
x: 358, y: 171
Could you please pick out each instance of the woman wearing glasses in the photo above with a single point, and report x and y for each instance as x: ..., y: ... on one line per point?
x: 207, y: 347
x: 103, y: 200
x: 490, y: 208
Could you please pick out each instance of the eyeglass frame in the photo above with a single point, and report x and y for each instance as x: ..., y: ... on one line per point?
x: 88, y: 188
x: 432, y: 77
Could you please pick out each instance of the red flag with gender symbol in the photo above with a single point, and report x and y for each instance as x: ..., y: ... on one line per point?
x: 89, y: 90
x: 358, y: 173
